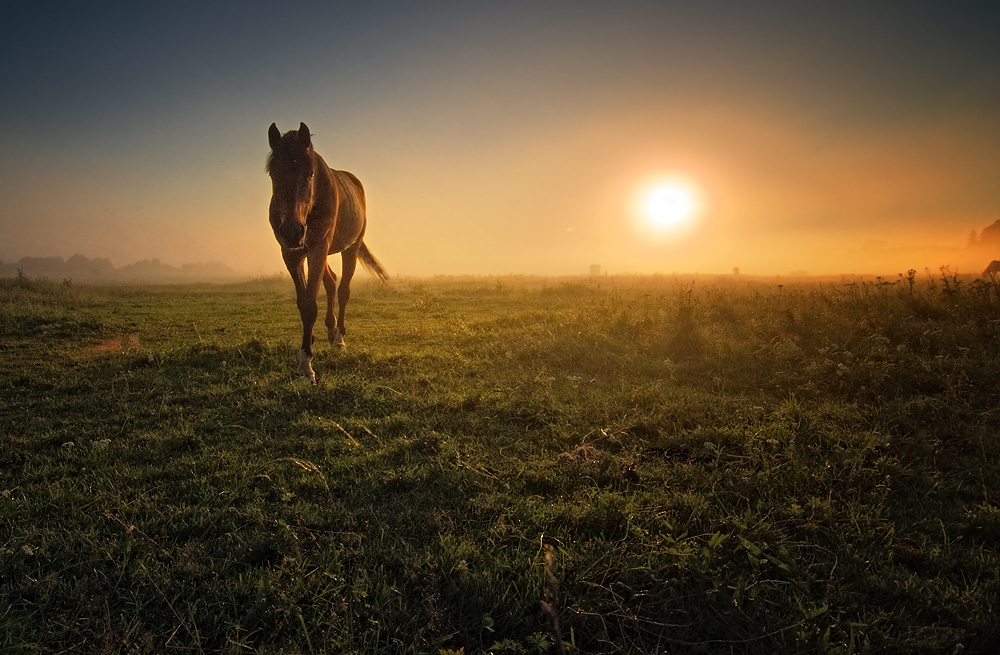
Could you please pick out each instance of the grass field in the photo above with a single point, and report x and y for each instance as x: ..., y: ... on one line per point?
x: 503, y: 465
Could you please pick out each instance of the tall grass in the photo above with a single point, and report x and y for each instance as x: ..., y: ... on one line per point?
x: 506, y: 465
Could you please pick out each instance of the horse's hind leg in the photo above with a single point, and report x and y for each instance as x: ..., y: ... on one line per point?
x: 330, y: 284
x: 350, y: 259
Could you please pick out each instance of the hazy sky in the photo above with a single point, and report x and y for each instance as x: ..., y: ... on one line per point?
x: 507, y: 137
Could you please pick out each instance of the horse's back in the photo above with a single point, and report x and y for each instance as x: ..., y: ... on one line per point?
x: 350, y: 212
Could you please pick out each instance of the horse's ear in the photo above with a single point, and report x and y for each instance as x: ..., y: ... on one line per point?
x: 273, y: 136
x: 304, y: 137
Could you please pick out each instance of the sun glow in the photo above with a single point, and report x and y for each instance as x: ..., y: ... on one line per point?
x: 669, y: 205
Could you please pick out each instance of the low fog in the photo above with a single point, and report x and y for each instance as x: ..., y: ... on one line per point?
x: 874, y: 258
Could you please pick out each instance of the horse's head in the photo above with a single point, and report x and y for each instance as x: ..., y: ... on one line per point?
x: 292, y: 167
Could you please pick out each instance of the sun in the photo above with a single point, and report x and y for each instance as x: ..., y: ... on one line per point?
x: 669, y: 206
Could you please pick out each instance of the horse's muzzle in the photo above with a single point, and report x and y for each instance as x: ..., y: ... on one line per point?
x: 291, y: 235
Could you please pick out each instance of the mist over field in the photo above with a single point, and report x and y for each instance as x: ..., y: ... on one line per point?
x: 80, y: 269
x: 874, y: 258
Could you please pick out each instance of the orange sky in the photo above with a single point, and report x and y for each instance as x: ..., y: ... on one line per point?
x: 512, y: 139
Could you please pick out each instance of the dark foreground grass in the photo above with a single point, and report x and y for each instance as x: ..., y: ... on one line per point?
x: 494, y: 465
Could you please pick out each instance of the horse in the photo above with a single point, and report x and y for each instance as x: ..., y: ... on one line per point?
x: 315, y: 212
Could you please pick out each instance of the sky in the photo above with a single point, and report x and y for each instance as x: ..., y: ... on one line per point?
x: 509, y: 137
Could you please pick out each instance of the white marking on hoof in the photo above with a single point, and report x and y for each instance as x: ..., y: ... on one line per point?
x: 337, y: 339
x: 305, y: 366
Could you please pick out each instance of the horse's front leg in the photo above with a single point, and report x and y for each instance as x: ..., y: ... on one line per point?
x: 296, y: 269
x: 330, y: 284
x: 306, y: 289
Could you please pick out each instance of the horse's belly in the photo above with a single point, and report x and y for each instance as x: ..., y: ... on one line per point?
x: 347, y: 232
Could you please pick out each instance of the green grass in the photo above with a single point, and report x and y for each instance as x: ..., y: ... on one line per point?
x: 715, y: 466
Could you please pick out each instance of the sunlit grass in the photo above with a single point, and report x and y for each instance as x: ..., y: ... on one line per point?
x: 712, y: 465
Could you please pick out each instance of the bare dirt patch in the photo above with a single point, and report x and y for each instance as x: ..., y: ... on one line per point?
x: 115, y: 345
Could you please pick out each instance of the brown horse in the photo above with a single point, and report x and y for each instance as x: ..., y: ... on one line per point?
x: 316, y: 212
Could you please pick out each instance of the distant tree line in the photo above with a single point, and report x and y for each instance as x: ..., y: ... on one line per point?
x: 988, y: 240
x: 79, y: 268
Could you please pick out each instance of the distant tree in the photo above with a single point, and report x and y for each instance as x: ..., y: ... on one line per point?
x: 973, y: 240
x: 49, y: 267
x: 990, y: 235
x: 84, y: 268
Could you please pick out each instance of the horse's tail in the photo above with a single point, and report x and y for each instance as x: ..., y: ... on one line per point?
x: 372, y: 265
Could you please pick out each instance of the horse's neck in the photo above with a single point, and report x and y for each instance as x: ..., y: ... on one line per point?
x: 325, y: 191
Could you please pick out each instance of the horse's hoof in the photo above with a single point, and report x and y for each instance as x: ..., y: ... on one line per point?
x: 305, y: 366
x: 338, y: 340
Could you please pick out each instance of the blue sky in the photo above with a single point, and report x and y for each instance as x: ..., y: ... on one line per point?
x: 504, y: 137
